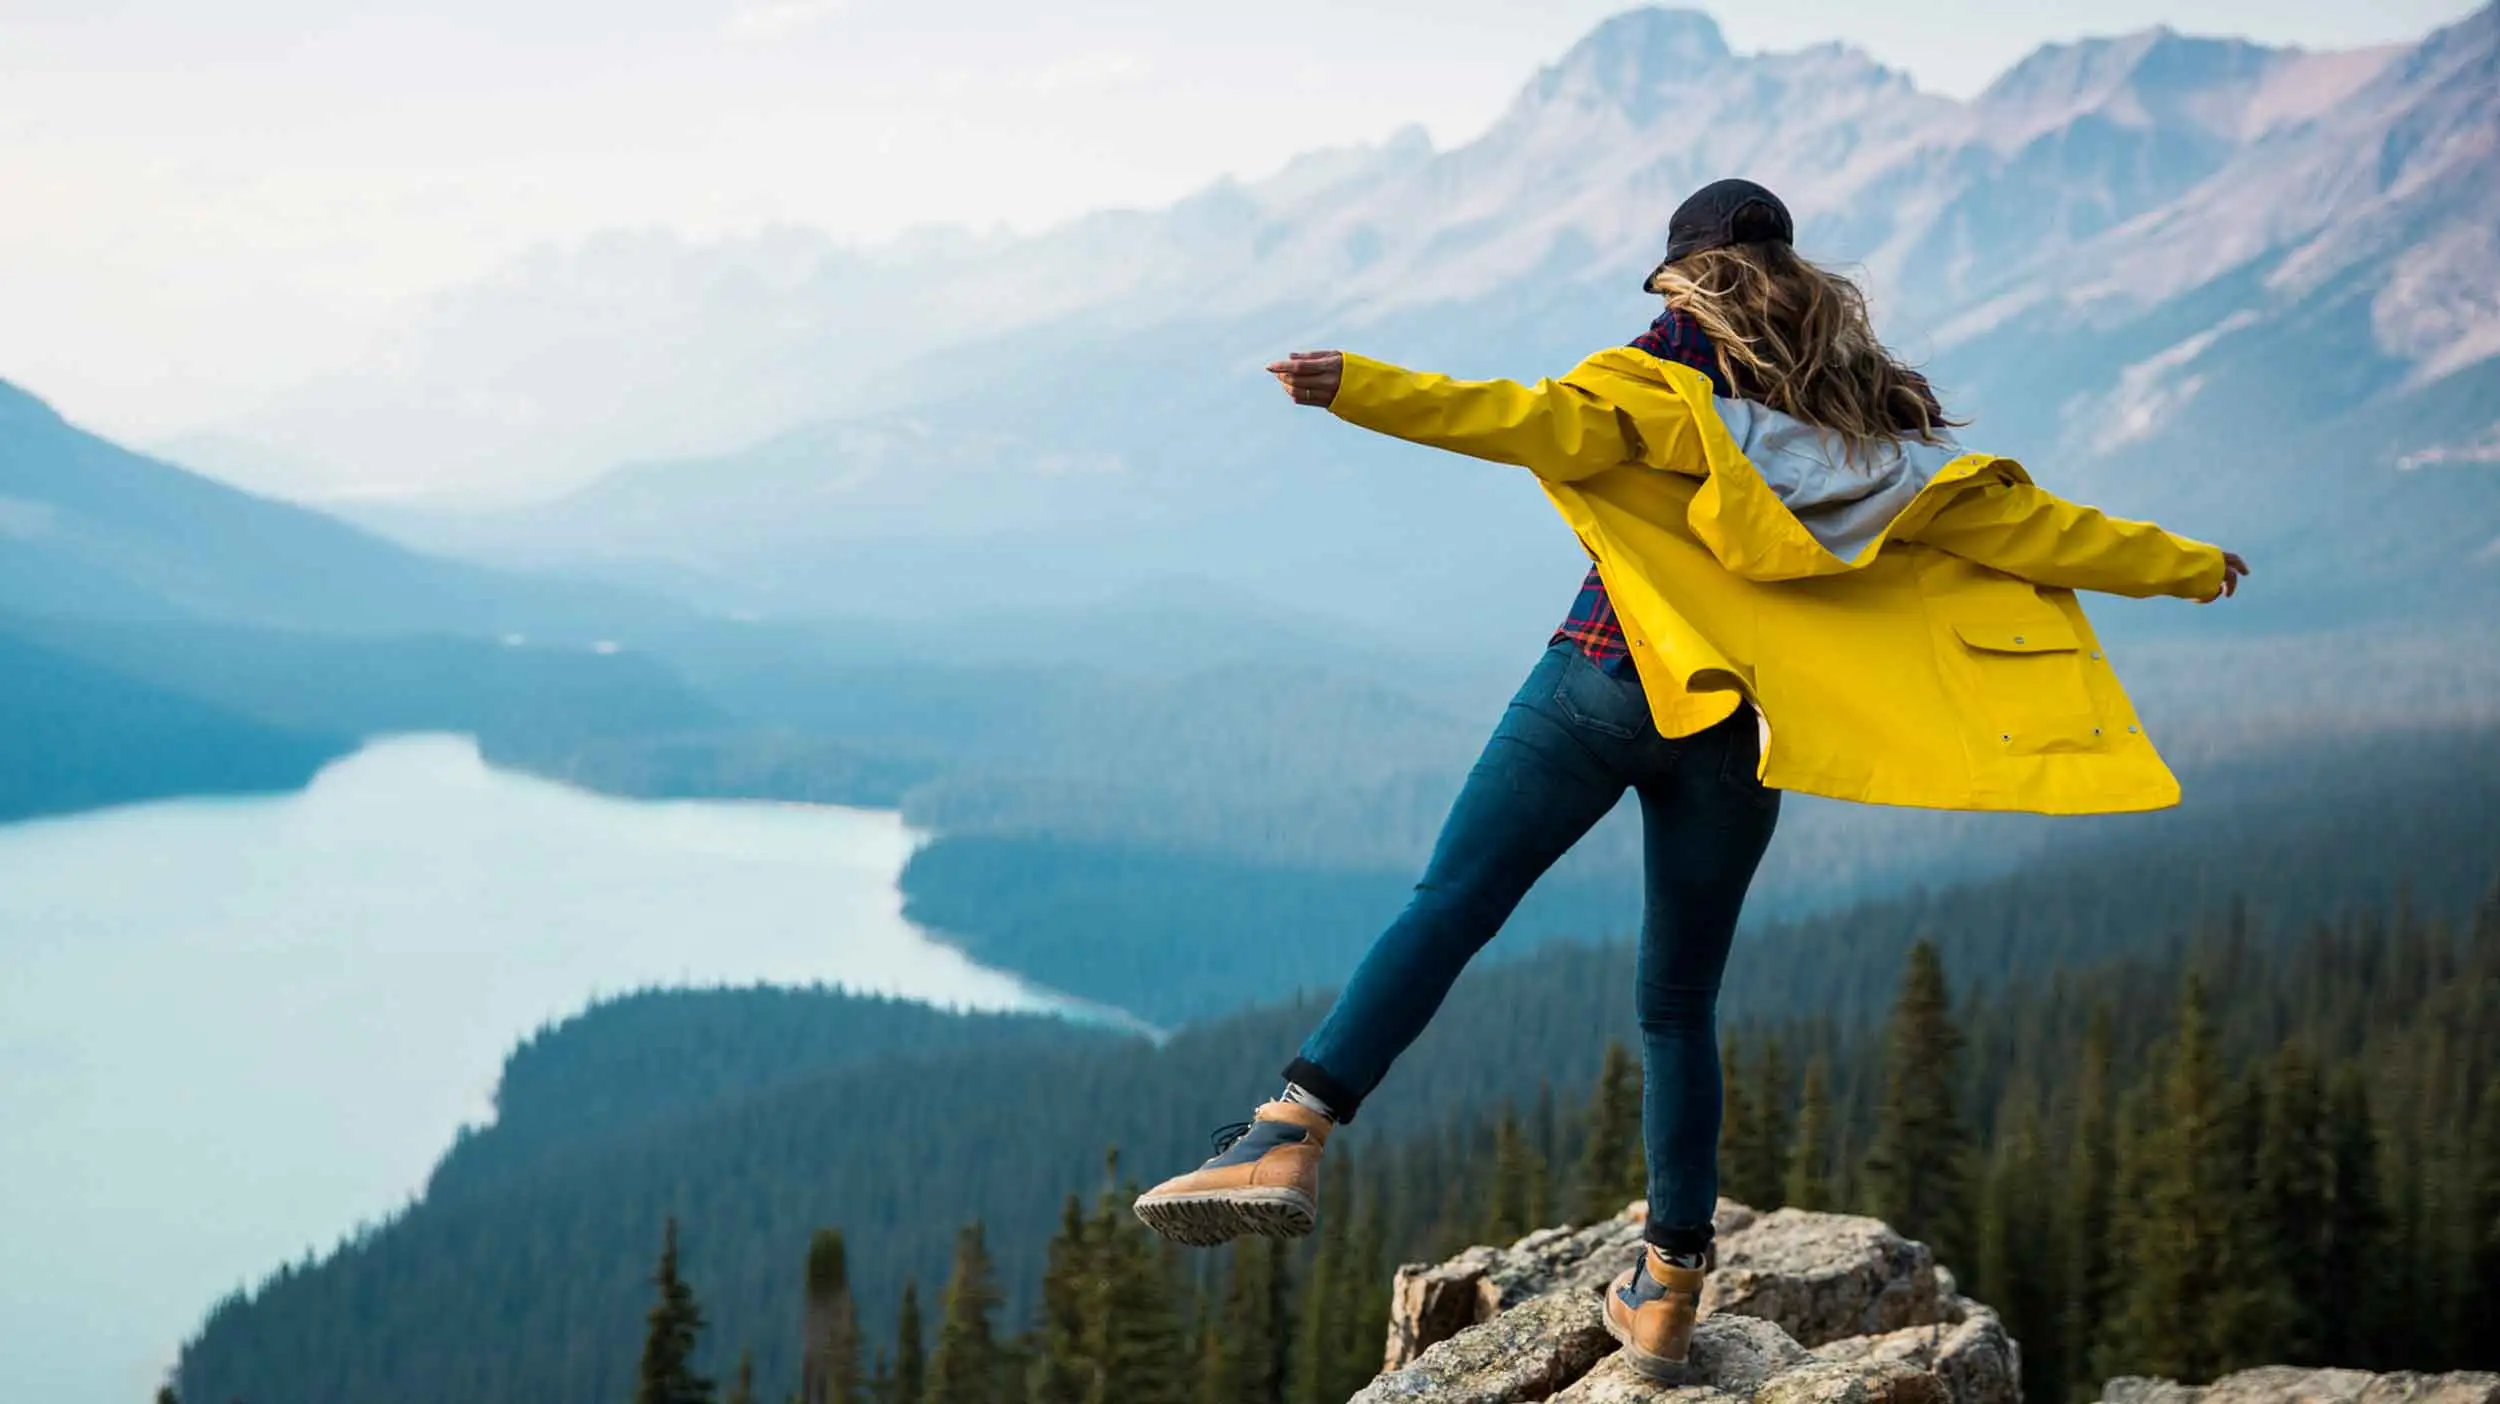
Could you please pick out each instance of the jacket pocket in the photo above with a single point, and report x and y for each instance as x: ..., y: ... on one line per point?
x: 2024, y: 681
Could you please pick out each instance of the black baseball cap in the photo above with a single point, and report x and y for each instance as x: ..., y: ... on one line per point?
x: 1721, y: 213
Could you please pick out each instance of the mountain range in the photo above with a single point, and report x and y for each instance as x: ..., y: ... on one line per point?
x: 93, y: 530
x: 2243, y: 289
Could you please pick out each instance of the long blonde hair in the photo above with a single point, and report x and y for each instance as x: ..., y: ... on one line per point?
x: 1797, y: 338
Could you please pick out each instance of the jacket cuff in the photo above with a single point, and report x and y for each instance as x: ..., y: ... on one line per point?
x: 1365, y: 383
x: 2206, y: 583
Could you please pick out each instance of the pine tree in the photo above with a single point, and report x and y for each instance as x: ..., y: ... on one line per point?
x: 1362, y: 1309
x: 2184, y: 1298
x: 1510, y: 1210
x: 1766, y: 1172
x: 964, y: 1368
x: 1210, y: 1369
x: 1013, y: 1366
x: 911, y: 1358
x: 1257, y: 1325
x: 1544, y: 1127
x: 829, y: 1351
x: 1611, y: 1173
x: 667, y: 1375
x: 2352, y: 1253
x: 743, y: 1392
x: 1808, y: 1183
x: 2251, y: 1315
x: 1135, y: 1341
x: 1738, y: 1128
x: 1916, y: 1174
x: 165, y: 1395
x: 2017, y: 1248
x: 881, y: 1380
x: 1061, y: 1373
x: 2479, y: 1328
x: 2295, y: 1192
x: 2091, y: 1171
x: 1319, y: 1325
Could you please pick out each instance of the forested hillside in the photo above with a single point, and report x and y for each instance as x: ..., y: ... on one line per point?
x: 534, y: 698
x: 531, y: 1287
x: 2250, y: 1150
x: 92, y: 530
x: 75, y: 736
x: 629, y: 1065
x: 1181, y: 935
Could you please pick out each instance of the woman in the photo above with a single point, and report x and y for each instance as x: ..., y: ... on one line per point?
x: 1799, y: 583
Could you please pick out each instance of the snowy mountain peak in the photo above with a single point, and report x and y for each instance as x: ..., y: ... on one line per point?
x: 1624, y: 62
x: 2154, y: 78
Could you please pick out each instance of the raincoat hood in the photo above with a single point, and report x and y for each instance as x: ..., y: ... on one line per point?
x: 1783, y: 500
x: 1844, y: 497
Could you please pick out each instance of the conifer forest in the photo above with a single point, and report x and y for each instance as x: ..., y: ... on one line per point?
x: 2227, y: 1153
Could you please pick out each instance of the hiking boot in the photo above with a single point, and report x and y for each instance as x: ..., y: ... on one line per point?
x: 1263, y: 1182
x: 1650, y: 1309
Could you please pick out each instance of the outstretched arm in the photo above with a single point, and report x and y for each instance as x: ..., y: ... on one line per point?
x: 1597, y: 417
x: 2037, y: 536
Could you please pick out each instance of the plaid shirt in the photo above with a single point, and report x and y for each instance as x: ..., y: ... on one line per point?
x: 1592, y: 623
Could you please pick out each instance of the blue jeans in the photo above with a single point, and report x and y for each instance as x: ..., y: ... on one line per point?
x: 1573, y: 740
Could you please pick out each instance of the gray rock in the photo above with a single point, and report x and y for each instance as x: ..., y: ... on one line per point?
x: 1528, y: 1352
x: 1824, y: 1277
x: 1970, y: 1353
x: 1429, y: 1303
x: 2290, y: 1384
x: 1526, y: 1322
x: 2407, y: 1387
x: 1850, y: 1382
x: 1614, y: 1383
x: 1739, y: 1354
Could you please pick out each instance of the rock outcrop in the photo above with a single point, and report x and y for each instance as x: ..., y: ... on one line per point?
x: 1801, y: 1309
x: 2291, y: 1384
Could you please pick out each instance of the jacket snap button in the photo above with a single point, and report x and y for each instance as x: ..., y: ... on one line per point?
x: 2018, y: 638
x: 2096, y: 657
x: 2131, y: 728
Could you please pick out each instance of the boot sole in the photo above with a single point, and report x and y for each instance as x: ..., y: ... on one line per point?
x: 1210, y: 1217
x: 1648, y: 1365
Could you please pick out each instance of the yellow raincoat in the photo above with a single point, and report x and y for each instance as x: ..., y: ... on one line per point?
x: 1904, y: 620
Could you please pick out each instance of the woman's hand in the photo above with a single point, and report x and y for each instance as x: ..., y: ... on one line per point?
x: 1311, y: 377
x: 2232, y: 569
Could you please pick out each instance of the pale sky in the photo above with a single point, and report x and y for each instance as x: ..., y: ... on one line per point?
x: 203, y: 203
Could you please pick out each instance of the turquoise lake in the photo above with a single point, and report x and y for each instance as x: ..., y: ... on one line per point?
x: 232, y: 1030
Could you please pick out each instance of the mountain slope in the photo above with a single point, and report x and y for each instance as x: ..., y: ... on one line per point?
x: 354, y: 685
x: 77, y: 736
x: 90, y: 529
